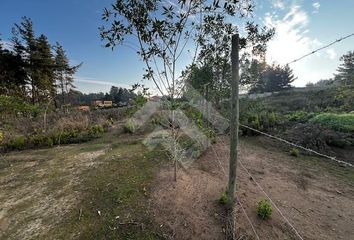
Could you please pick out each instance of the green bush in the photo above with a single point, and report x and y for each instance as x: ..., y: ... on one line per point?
x: 96, y: 130
x: 130, y: 126
x: 294, y: 152
x: 340, y: 122
x: 1, y: 136
x: 264, y: 209
x: 17, y: 142
x: 13, y: 105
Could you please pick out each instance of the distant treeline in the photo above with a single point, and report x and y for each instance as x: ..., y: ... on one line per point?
x: 116, y: 95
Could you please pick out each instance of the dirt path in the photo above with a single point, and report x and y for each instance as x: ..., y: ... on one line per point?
x: 37, y: 185
x: 317, y: 197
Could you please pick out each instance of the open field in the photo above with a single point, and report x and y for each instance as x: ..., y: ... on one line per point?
x: 114, y: 188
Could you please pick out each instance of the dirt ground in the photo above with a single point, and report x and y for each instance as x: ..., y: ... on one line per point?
x: 38, y: 189
x: 317, y: 197
x: 51, y: 193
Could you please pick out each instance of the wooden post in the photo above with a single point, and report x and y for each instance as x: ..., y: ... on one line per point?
x: 234, y: 125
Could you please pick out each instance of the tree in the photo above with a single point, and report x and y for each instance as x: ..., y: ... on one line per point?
x: 27, y: 51
x: 345, y: 75
x: 163, y: 30
x: 64, y: 73
x: 12, y: 74
x: 277, y: 78
x: 44, y: 72
x: 260, y: 77
x: 252, y: 72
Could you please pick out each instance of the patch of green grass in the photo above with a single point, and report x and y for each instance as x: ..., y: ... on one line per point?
x: 115, y: 197
x: 294, y: 152
x: 340, y: 122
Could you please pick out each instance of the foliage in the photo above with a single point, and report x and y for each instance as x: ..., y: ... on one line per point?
x: 340, y: 122
x: 1, y: 136
x: 272, y: 78
x: 14, y: 105
x: 96, y: 130
x: 299, y: 116
x: 16, y: 143
x: 264, y: 209
x: 223, y: 198
x: 294, y: 152
x: 130, y: 126
x: 64, y: 73
x: 163, y: 30
x: 29, y: 69
x: 345, y: 74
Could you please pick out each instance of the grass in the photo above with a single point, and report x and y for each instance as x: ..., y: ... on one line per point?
x: 340, y: 122
x: 119, y: 190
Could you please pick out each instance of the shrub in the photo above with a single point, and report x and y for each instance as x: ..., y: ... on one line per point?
x: 130, y: 126
x: 223, y: 198
x: 264, y: 209
x: 17, y: 142
x: 294, y: 152
x: 96, y: 130
x: 341, y: 122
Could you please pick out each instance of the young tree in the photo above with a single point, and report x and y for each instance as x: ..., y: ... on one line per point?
x: 345, y: 75
x: 163, y: 30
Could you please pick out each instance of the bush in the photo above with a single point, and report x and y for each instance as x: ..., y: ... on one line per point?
x: 1, y: 136
x: 13, y: 105
x: 17, y: 142
x: 341, y: 122
x: 130, y: 126
x: 96, y: 130
x: 264, y: 209
x: 294, y: 152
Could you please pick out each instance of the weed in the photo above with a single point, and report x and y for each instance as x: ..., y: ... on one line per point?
x: 264, y: 209
x: 223, y: 198
x: 294, y: 152
x: 130, y: 126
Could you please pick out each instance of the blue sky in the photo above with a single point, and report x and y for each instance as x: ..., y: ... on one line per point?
x: 301, y: 26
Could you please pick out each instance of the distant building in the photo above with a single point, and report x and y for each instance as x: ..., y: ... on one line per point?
x: 84, y: 108
x: 107, y: 103
x: 102, y: 104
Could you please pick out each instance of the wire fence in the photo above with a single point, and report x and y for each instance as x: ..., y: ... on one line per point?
x: 264, y: 192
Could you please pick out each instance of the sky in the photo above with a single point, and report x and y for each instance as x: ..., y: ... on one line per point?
x: 301, y: 26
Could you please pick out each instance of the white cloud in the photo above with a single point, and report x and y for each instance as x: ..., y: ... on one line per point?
x: 278, y: 4
x: 331, y: 54
x: 99, y: 82
x: 292, y: 41
x: 316, y: 6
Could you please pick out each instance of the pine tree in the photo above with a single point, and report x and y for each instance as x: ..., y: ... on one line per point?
x: 64, y: 73
x: 45, y: 64
x: 346, y: 69
x: 12, y: 75
x: 27, y: 51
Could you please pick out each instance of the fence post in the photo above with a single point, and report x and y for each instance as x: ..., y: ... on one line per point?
x: 234, y: 125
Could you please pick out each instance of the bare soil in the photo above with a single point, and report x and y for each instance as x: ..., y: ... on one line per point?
x: 316, y: 196
x: 114, y: 188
